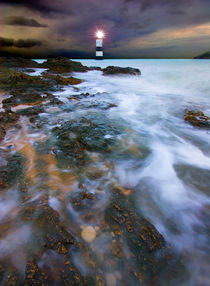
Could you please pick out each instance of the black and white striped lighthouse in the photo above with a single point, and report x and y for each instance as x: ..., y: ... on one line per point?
x: 99, y: 45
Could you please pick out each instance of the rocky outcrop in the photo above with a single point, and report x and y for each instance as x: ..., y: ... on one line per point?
x: 17, y: 62
x: 112, y: 70
x: 197, y: 118
x: 63, y: 65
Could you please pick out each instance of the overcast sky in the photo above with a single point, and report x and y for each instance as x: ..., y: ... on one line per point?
x: 133, y: 28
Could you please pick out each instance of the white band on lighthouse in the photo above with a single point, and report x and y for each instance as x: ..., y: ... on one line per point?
x: 99, y: 43
x: 99, y: 53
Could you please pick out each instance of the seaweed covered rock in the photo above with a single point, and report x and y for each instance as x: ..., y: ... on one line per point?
x: 112, y: 70
x: 18, y: 62
x: 59, y: 80
x: 76, y: 137
x: 11, y: 80
x: 53, y: 232
x: 34, y: 276
x: 146, y: 248
x: 197, y: 118
x: 63, y: 65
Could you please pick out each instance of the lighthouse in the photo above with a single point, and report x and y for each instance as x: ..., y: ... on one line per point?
x: 99, y: 45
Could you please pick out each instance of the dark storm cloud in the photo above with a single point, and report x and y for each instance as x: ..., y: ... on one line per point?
x: 21, y: 21
x: 75, y: 21
x: 43, y: 6
x: 28, y: 43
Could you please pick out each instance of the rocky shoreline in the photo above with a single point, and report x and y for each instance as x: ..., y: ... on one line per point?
x: 132, y: 243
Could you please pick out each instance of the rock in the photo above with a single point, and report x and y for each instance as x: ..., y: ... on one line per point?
x: 111, y: 279
x: 12, y: 80
x: 88, y: 136
x: 197, y: 118
x: 22, y: 98
x: 59, y: 80
x: 63, y: 65
x: 111, y: 70
x: 2, y: 132
x: 12, y: 171
x: 147, y: 251
x: 88, y: 234
x: 7, y: 119
x: 54, y: 233
x: 34, y: 276
x: 18, y: 62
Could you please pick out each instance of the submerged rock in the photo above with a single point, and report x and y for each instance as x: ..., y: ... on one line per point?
x: 10, y: 173
x: 7, y: 120
x: 22, y: 98
x: 197, y: 118
x: 76, y: 137
x: 147, y: 252
x: 111, y: 70
x: 53, y: 233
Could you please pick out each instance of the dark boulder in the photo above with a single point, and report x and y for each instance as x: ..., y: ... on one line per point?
x: 111, y: 70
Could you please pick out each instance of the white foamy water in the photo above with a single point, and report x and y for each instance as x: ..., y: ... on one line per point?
x: 173, y: 182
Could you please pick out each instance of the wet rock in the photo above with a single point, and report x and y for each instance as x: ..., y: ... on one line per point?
x: 147, y: 249
x: 63, y: 65
x: 82, y: 201
x: 10, y: 173
x: 59, y: 80
x: 112, y: 70
x: 88, y: 233
x: 88, y: 136
x: 28, y: 70
x: 2, y: 132
x: 22, y: 98
x: 34, y: 276
x: 197, y: 118
x: 31, y: 111
x: 95, y: 68
x: 7, y: 119
x: 18, y: 62
x: 13, y: 81
x: 54, y: 233
x: 9, y: 276
x: 52, y: 98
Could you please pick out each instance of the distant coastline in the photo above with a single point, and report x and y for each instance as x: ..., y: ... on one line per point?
x: 203, y: 56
